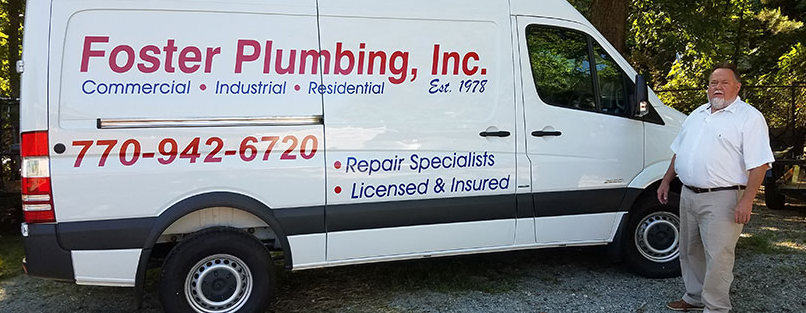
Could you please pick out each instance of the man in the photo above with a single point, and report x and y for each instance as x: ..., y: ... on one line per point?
x: 721, y: 156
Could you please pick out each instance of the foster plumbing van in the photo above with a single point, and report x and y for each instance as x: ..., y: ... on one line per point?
x: 202, y: 135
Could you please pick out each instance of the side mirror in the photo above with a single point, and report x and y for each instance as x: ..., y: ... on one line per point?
x: 641, y: 104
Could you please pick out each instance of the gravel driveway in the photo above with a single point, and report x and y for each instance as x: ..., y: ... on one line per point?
x: 770, y: 277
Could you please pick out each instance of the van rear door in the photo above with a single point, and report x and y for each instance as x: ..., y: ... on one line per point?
x: 155, y: 103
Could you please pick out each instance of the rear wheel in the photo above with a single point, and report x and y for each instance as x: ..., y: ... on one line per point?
x: 217, y: 270
x: 652, y: 241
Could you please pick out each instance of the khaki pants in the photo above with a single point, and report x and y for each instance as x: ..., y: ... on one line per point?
x: 708, y: 236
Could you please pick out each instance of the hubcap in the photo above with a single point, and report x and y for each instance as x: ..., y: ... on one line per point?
x: 657, y: 237
x: 218, y: 283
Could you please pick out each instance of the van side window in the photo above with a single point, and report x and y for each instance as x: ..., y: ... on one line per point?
x: 561, y: 67
x: 565, y: 75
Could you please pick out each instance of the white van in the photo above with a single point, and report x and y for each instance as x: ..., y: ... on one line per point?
x: 208, y: 133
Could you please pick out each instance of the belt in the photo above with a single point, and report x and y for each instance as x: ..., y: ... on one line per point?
x: 703, y: 190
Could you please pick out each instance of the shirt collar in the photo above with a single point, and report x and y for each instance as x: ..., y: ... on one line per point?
x: 730, y: 108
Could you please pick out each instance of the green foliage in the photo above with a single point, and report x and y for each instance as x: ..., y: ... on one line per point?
x: 5, y: 85
x: 583, y: 6
x: 7, y: 32
x: 770, y: 242
x: 677, y: 42
x: 795, y: 9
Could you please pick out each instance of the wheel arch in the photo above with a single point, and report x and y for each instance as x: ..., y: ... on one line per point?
x: 651, y: 176
x: 632, y: 203
x: 631, y: 198
x: 651, y: 190
x: 199, y: 202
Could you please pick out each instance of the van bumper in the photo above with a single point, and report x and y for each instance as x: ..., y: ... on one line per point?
x: 44, y: 257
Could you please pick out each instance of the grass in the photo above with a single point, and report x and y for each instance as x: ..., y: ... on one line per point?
x: 758, y: 244
x: 769, y: 242
x: 11, y: 253
x: 794, y: 270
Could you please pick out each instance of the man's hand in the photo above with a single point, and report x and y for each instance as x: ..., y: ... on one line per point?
x: 745, y: 206
x: 743, y: 211
x: 663, y: 189
x: 663, y: 193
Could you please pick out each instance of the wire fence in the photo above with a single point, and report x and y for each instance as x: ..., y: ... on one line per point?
x: 782, y: 106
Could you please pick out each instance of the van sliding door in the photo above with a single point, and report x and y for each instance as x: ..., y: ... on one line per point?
x: 419, y: 128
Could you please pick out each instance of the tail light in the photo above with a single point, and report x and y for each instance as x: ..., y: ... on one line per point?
x: 37, y: 198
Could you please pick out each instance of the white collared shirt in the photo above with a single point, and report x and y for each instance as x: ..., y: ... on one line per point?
x: 719, y: 149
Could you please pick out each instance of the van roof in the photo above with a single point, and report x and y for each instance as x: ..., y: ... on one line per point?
x: 556, y: 9
x: 559, y: 9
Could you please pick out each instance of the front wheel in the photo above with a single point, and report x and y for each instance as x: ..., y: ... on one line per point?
x: 652, y: 238
x: 217, y: 270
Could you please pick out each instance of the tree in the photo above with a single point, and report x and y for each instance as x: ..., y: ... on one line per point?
x: 10, y: 38
x: 610, y: 18
x: 10, y: 45
x: 678, y: 42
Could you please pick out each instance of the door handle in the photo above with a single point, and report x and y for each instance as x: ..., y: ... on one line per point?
x: 501, y: 133
x: 540, y: 133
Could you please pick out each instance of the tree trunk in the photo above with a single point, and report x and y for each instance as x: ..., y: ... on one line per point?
x: 610, y: 18
x: 14, y: 9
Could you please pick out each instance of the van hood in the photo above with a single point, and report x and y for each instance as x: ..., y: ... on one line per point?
x: 671, y: 117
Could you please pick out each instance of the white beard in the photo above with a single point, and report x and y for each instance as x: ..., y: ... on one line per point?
x: 718, y: 103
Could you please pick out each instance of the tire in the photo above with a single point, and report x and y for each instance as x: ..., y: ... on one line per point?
x: 773, y: 197
x: 651, y: 241
x: 217, y: 270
